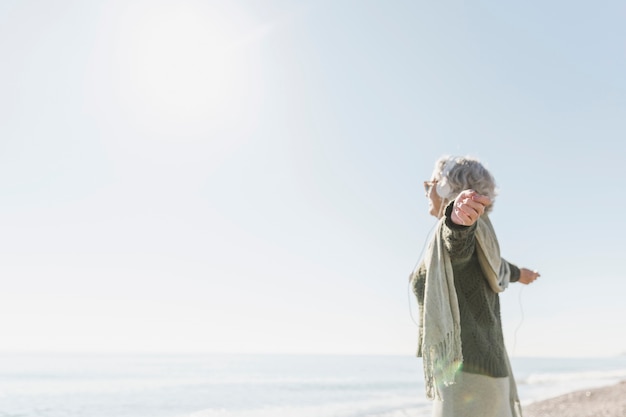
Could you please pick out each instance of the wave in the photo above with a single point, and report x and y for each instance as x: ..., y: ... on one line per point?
x: 563, y: 377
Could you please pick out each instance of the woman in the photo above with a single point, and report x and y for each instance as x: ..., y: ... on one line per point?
x: 466, y: 367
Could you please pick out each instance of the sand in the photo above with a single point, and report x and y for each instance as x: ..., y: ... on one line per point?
x: 597, y: 402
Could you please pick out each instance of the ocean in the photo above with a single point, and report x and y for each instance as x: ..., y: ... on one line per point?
x: 115, y: 385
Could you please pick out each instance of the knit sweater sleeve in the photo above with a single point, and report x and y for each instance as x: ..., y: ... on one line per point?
x: 515, y: 273
x: 460, y: 242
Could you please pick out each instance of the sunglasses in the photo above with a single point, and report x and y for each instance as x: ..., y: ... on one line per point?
x: 428, y: 185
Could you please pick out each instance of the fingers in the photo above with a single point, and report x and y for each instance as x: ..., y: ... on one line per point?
x: 534, y: 275
x: 527, y: 276
x: 481, y: 199
x: 465, y: 216
x: 468, y: 207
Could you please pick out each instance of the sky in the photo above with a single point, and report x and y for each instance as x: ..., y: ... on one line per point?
x: 246, y: 176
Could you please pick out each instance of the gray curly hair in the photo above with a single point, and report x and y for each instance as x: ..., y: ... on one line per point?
x: 459, y: 173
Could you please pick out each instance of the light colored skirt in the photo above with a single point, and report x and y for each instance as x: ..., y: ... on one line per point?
x: 475, y: 395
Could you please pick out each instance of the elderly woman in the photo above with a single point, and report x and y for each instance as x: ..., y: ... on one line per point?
x: 466, y: 367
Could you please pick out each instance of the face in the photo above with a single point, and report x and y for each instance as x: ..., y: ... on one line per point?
x: 434, y: 200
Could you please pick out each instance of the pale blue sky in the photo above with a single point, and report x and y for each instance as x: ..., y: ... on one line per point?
x: 245, y: 176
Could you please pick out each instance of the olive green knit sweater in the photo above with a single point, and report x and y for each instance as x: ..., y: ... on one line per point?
x: 482, y: 342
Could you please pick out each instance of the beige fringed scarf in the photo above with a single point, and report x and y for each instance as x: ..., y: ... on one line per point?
x: 440, y: 338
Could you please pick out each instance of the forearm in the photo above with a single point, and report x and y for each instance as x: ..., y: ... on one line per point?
x: 515, y: 271
x: 459, y: 240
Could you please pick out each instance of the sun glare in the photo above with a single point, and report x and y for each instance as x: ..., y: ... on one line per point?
x: 182, y: 68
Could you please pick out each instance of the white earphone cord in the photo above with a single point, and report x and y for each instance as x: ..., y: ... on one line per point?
x: 521, y: 308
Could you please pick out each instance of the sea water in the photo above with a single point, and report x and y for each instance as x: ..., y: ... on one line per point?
x: 64, y: 385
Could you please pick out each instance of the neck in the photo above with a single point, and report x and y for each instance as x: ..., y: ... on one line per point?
x: 442, y: 208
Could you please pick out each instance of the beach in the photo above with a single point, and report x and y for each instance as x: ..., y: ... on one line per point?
x: 609, y: 401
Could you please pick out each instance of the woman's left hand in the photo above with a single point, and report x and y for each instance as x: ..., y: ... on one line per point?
x: 468, y: 207
x: 526, y: 276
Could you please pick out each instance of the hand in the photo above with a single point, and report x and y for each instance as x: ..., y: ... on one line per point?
x: 468, y: 207
x: 526, y: 276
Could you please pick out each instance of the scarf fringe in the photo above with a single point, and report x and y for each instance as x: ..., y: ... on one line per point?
x: 441, y: 363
